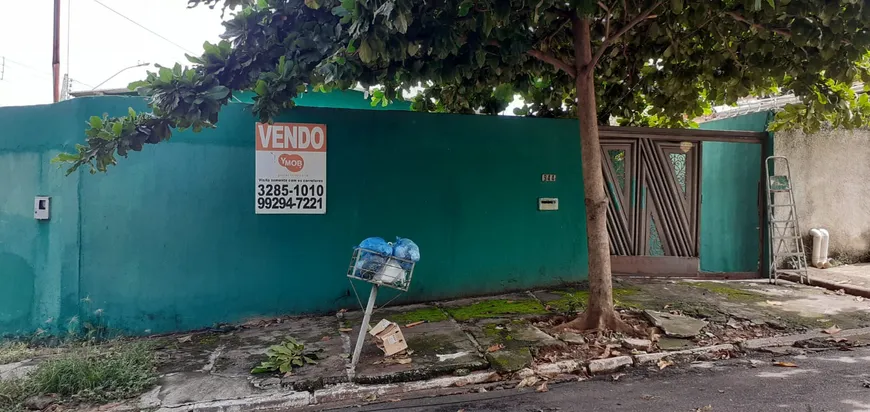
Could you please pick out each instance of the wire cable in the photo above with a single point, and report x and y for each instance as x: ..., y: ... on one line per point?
x: 144, y: 28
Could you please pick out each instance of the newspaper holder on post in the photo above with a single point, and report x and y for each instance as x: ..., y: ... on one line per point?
x: 379, y: 270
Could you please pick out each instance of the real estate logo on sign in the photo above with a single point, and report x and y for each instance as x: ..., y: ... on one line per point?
x: 291, y: 168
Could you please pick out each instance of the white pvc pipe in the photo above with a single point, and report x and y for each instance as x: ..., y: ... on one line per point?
x: 823, y: 255
x: 820, y: 248
x: 817, y: 248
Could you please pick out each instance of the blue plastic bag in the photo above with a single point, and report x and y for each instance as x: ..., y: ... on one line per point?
x: 368, y: 265
x: 406, y: 249
x: 377, y: 244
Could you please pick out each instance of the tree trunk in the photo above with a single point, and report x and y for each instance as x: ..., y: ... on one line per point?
x: 600, y: 313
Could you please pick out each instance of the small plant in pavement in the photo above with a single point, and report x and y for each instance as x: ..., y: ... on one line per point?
x: 286, y: 356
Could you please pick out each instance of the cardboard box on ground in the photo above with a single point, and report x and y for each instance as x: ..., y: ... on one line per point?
x: 390, y: 338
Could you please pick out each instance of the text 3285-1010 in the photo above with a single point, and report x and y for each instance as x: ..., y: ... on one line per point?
x: 292, y: 196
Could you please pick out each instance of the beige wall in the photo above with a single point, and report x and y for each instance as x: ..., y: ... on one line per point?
x: 831, y: 179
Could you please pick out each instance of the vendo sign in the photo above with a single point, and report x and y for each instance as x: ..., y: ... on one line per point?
x: 290, y: 168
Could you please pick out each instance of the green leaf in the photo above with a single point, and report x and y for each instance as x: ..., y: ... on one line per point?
x: 401, y: 24
x: 772, y: 4
x: 66, y: 158
x: 365, y: 52
x: 131, y: 112
x: 165, y: 74
x: 217, y: 92
x: 413, y: 48
x: 262, y: 4
x: 677, y: 6
x: 261, y: 88
x: 117, y: 128
x: 312, y: 4
x: 137, y: 84
x: 96, y: 122
x: 464, y: 7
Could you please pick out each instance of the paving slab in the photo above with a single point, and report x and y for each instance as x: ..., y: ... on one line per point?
x: 511, y: 333
x: 186, y: 387
x: 676, y: 325
x: 847, y: 275
x: 320, y: 335
x: 437, y: 348
x: 789, y: 306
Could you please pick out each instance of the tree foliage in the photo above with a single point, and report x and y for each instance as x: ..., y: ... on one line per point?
x: 663, y: 68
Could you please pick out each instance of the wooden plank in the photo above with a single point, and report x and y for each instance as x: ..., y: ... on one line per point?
x: 689, y: 135
x: 655, y: 265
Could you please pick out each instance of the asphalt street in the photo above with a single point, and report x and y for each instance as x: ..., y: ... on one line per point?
x: 821, y: 382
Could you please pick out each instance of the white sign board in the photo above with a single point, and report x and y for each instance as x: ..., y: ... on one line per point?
x: 291, y: 168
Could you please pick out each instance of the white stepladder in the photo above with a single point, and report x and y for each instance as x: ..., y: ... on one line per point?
x: 378, y: 270
x: 787, y: 254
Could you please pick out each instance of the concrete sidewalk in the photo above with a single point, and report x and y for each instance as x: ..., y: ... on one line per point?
x: 497, y: 340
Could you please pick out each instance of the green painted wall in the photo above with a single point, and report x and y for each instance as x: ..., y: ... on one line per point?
x: 729, y: 198
x: 168, y: 240
x: 338, y: 99
x: 38, y: 260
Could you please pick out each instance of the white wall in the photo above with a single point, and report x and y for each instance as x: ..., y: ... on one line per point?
x: 831, y: 180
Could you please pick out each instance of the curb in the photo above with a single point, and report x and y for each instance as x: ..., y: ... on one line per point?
x: 791, y: 339
x: 848, y: 289
x: 351, y: 392
x: 284, y: 400
x: 655, y: 357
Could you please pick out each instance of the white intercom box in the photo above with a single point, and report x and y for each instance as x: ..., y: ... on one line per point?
x: 42, y: 207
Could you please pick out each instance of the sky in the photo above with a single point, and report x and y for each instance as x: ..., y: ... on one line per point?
x: 100, y: 42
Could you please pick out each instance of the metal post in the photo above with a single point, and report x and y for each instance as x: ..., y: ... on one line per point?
x: 55, y: 52
x: 364, y: 328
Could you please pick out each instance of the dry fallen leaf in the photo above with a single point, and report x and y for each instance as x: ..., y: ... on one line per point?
x: 616, y: 376
x: 495, y: 348
x: 859, y: 298
x: 832, y: 330
x: 185, y: 338
x: 785, y: 364
x: 705, y: 409
x: 371, y: 397
x: 342, y: 311
x: 840, y: 292
x: 403, y: 361
x: 664, y: 364
x: 325, y: 339
x: 345, y: 330
x: 543, y: 388
x: 774, y: 303
x: 526, y: 382
x: 412, y: 324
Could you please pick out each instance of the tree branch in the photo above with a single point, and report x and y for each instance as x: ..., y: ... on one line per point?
x: 606, y: 18
x: 742, y: 19
x: 546, y: 58
x: 555, y: 61
x: 610, y: 40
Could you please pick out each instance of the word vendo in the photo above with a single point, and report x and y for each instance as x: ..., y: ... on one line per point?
x: 297, y: 137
